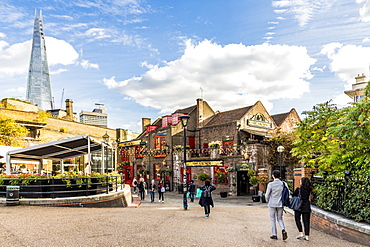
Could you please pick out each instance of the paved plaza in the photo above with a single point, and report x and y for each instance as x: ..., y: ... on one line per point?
x: 234, y: 221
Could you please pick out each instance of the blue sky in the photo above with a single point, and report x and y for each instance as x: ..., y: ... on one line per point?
x: 148, y: 58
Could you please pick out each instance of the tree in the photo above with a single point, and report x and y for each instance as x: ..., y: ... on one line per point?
x: 286, y: 140
x: 312, y: 134
x: 336, y: 140
x: 10, y: 132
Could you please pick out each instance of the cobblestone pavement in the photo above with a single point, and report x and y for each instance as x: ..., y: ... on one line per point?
x: 234, y: 221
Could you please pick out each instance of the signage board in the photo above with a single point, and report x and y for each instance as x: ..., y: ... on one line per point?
x: 131, y: 143
x: 261, y: 124
x: 244, y: 166
x: 205, y: 163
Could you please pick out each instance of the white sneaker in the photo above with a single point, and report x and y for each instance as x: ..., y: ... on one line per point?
x: 159, y: 200
x: 162, y: 201
x: 305, y: 238
x: 299, y: 237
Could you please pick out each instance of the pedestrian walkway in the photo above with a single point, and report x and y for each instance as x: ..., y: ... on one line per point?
x: 174, y: 199
x: 234, y: 221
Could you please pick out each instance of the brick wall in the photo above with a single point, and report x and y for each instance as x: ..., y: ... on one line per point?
x: 57, y: 129
x: 320, y: 221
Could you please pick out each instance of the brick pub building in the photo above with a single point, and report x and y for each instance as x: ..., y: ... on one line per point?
x: 223, y: 145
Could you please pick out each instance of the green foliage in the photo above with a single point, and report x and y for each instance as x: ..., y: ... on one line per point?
x: 203, y: 177
x: 286, y: 140
x: 42, y: 117
x: 10, y: 132
x: 334, y: 139
x: 253, y: 180
x: 221, y: 177
x: 352, y: 200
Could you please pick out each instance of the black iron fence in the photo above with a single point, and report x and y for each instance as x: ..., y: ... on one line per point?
x: 348, y: 197
x: 61, y: 187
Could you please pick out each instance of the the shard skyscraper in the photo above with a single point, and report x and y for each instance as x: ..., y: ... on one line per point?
x: 38, y: 84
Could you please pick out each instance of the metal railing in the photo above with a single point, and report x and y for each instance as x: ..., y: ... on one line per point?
x: 62, y: 187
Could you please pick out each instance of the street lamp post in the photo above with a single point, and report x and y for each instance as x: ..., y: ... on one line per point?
x: 184, y: 121
x: 104, y: 160
x: 280, y: 149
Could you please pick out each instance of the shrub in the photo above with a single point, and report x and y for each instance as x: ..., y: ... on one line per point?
x: 203, y: 177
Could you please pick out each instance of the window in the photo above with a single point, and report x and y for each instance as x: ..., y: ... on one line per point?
x: 125, y: 155
x: 160, y: 142
x: 227, y: 147
x: 139, y: 151
x: 156, y: 170
x: 220, y: 175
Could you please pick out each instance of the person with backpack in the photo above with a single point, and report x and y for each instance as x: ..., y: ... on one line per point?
x: 274, y: 193
x: 206, y: 198
x: 142, y: 188
x: 304, y: 192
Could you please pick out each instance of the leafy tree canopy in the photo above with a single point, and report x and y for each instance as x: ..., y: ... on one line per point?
x: 10, y: 132
x: 336, y: 140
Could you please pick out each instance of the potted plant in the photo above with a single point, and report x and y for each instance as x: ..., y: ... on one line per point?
x: 203, y: 177
x: 253, y: 181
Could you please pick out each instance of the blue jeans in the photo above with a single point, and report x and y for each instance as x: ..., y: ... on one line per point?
x: 191, y: 195
x: 152, y: 193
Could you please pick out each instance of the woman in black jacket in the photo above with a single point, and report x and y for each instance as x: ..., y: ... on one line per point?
x: 304, y: 191
x: 206, y: 198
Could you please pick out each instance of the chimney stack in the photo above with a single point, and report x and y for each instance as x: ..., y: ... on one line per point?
x: 145, y: 122
x: 69, y: 109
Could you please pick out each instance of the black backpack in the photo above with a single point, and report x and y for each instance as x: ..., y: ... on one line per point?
x: 207, y: 192
x: 285, y: 196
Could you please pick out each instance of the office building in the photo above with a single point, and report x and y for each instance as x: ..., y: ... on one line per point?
x: 97, y: 117
x: 38, y: 84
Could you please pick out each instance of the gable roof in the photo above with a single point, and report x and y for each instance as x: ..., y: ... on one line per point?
x: 279, y: 118
x: 187, y: 110
x: 228, y: 116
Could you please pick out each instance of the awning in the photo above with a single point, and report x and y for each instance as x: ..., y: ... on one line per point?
x: 58, y: 150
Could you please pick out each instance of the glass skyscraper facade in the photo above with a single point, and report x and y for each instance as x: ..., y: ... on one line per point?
x: 38, y: 84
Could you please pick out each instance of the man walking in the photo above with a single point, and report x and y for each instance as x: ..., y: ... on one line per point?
x: 275, y: 204
x: 191, y: 190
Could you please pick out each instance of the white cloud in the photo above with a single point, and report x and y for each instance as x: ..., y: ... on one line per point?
x: 21, y: 90
x: 230, y: 76
x: 2, y: 35
x: 342, y: 100
x: 60, y: 52
x: 366, y: 40
x: 347, y: 60
x: 365, y: 10
x: 97, y: 33
x: 58, y: 71
x: 15, y: 58
x: 87, y: 65
x: 303, y: 11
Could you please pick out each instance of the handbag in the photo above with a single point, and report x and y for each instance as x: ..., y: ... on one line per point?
x: 163, y: 189
x: 296, y: 202
x: 199, y: 193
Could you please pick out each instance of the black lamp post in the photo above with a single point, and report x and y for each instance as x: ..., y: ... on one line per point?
x: 280, y: 149
x: 184, y: 121
x: 105, y: 154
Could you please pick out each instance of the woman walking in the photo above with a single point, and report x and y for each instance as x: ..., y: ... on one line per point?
x: 206, y: 198
x: 161, y: 190
x: 152, y: 187
x: 304, y: 192
x: 142, y: 188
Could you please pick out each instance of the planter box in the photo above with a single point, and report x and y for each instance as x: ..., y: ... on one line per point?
x: 256, y: 198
